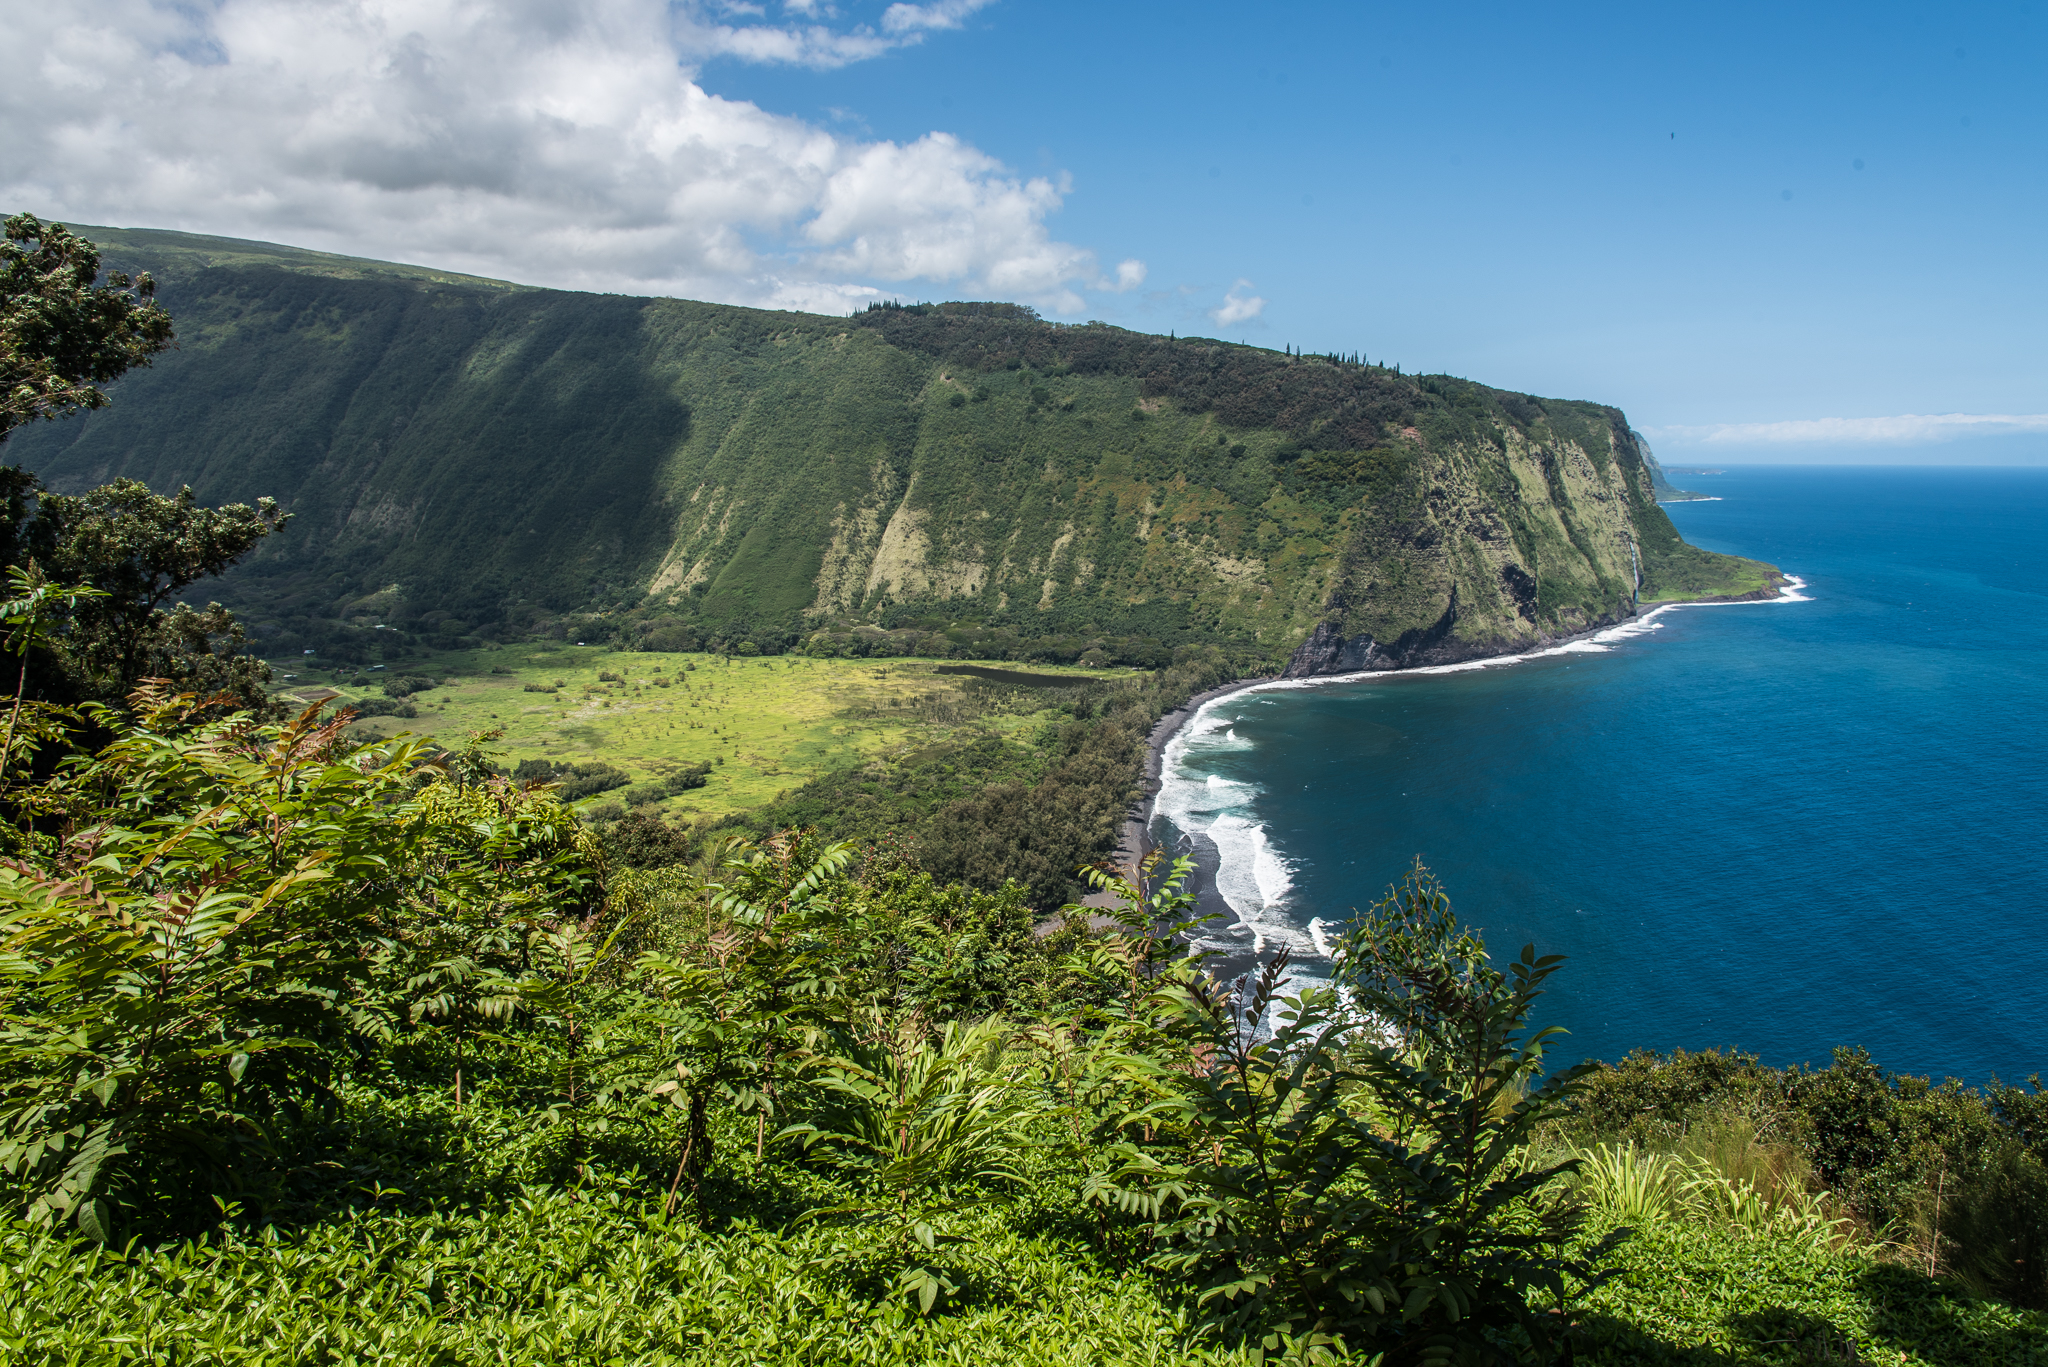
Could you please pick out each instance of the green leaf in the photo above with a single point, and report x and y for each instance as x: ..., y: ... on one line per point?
x: 96, y: 1221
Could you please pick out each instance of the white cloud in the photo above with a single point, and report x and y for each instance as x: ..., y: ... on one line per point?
x: 1238, y: 306
x: 1904, y: 430
x: 1129, y: 275
x: 556, y: 142
x: 937, y: 209
x: 941, y: 14
x: 812, y: 44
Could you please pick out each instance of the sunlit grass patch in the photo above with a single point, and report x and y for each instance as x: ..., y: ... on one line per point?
x: 765, y: 725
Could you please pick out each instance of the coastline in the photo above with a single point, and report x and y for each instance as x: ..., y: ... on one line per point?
x: 1134, y: 841
x: 1132, y: 846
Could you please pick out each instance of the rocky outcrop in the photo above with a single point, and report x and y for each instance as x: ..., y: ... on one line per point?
x: 1328, y: 651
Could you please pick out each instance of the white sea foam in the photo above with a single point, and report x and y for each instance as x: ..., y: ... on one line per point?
x: 1255, y: 879
x: 1319, y: 934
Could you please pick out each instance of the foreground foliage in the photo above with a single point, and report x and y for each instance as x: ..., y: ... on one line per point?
x: 503, y: 1264
x: 315, y: 1049
x: 375, y: 1042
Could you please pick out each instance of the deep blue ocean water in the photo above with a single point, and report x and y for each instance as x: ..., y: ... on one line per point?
x: 1779, y: 826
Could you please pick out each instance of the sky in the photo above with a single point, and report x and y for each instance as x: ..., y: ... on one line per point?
x: 1784, y: 232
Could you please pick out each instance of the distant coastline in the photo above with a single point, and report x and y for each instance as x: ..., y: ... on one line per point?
x: 1138, y: 823
x: 1136, y: 839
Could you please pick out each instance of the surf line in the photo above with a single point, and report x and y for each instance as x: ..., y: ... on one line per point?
x: 1251, y: 878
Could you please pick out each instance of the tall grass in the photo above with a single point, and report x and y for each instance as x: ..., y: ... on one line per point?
x: 1720, y: 1176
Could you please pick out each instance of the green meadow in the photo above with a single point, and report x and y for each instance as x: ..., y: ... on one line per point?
x: 765, y: 725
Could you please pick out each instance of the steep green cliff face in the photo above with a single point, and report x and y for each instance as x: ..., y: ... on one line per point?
x: 467, y: 457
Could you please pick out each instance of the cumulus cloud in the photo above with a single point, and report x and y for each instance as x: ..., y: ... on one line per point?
x: 1129, y: 275
x: 943, y: 14
x: 556, y: 142
x: 707, y: 31
x: 1907, y: 429
x: 1237, y: 305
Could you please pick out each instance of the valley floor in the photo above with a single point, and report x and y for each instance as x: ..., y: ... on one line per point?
x: 767, y: 724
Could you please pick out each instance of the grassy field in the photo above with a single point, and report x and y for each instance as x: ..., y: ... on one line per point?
x: 765, y: 725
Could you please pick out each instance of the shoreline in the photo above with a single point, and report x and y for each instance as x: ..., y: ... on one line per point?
x: 1131, y: 847
x: 1134, y: 842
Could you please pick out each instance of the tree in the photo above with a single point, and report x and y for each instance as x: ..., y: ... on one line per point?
x: 505, y: 882
x: 62, y: 334
x: 1356, y: 1164
x: 28, y: 618
x: 731, y: 1009
x: 141, y: 550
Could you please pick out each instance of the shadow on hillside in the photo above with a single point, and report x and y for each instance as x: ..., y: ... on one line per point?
x: 395, y: 1153
x: 1907, y: 1312
x: 1915, y: 1312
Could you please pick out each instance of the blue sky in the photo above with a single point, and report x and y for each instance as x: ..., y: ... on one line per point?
x: 1758, y: 229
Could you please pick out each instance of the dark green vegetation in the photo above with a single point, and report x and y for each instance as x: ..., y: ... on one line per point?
x: 1955, y: 1173
x: 985, y: 809
x: 380, y: 1061
x: 95, y: 575
x: 64, y: 332
x: 466, y: 459
x: 322, y: 1049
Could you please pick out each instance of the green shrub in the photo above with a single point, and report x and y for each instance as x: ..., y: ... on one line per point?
x: 1993, y: 1228
x: 1687, y: 1294
x: 641, y: 840
x: 384, y: 707
x: 1879, y: 1141
x: 1339, y: 1191
x: 575, y: 781
x: 1630, y: 1186
x: 165, y: 1015
x: 919, y: 1123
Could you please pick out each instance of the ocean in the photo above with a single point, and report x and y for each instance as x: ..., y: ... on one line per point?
x: 1782, y: 827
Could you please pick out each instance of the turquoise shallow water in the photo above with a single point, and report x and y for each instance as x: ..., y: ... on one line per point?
x: 1783, y: 826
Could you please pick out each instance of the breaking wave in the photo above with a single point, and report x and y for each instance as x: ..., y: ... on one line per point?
x: 1252, y: 877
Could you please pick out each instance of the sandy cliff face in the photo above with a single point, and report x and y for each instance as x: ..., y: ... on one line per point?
x: 1069, y: 510
x: 1498, y: 548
